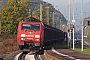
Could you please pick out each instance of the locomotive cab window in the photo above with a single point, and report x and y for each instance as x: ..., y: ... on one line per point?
x: 30, y: 26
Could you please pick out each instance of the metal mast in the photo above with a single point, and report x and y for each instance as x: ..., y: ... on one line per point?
x: 53, y: 18
x: 73, y: 25
x: 47, y: 15
x: 82, y: 23
x: 68, y: 21
x: 41, y: 10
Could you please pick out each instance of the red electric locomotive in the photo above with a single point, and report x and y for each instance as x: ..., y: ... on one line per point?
x: 30, y: 35
x: 35, y: 35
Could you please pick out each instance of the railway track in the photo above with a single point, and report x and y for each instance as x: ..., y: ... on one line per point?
x: 22, y: 56
x: 28, y: 56
x: 25, y: 56
x: 54, y: 54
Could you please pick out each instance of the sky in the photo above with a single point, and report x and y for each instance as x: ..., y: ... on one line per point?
x: 62, y: 6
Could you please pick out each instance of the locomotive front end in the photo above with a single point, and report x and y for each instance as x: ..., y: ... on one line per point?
x: 29, y: 35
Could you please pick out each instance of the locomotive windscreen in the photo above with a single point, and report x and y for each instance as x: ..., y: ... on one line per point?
x: 30, y: 26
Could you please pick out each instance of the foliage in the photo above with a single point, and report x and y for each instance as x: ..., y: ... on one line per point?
x: 10, y: 15
x: 8, y: 46
x: 36, y: 12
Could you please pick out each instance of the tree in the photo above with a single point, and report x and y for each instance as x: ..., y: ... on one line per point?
x: 12, y: 14
x: 36, y: 13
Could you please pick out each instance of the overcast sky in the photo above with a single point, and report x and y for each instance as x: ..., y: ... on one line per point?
x: 62, y: 6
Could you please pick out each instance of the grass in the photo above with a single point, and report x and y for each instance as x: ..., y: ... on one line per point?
x: 59, y: 46
x: 85, y: 50
x: 77, y: 48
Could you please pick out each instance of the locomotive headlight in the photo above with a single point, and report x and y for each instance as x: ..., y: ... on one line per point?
x: 22, y: 38
x: 36, y: 39
x: 37, y: 36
